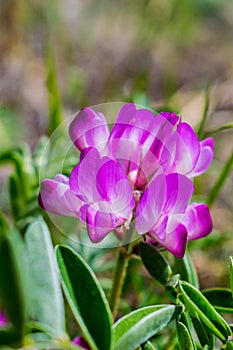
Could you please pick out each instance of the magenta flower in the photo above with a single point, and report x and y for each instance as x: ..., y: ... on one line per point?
x: 164, y: 215
x: 81, y: 342
x: 140, y: 170
x: 3, y: 319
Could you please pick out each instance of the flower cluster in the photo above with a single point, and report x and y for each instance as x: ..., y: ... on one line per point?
x: 141, y: 170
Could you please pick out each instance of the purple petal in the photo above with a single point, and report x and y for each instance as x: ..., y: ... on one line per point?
x: 184, y: 147
x: 151, y: 205
x: 175, y: 237
x: 56, y: 197
x: 126, y: 113
x: 197, y: 221
x: 102, y: 181
x: 173, y: 118
x: 3, y: 319
x: 205, y: 158
x: 88, y: 129
x: 81, y: 342
x: 136, y: 142
x: 179, y: 192
x: 113, y: 186
x: 83, y: 177
x: 99, y: 224
x: 176, y: 241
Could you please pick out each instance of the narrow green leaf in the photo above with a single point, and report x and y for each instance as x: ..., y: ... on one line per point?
x: 187, y: 271
x: 204, y: 113
x: 155, y: 263
x: 148, y: 346
x: 204, y: 334
x: 86, y: 298
x: 220, y: 298
x: 184, y: 337
x: 231, y: 273
x: 54, y: 100
x: 137, y: 327
x: 41, y: 153
x: 223, y: 127
x: 45, y: 302
x: 197, y: 303
x: 11, y: 284
x: 3, y: 227
x: 220, y: 181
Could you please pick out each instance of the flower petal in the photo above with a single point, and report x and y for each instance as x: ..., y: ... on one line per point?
x: 175, y: 237
x: 184, y: 147
x: 83, y: 177
x: 136, y: 141
x: 176, y: 241
x: 88, y: 129
x: 151, y: 205
x: 113, y: 186
x: 206, y: 156
x: 99, y: 224
x: 197, y: 221
x: 56, y: 197
x: 173, y: 118
x: 81, y: 343
x: 179, y: 192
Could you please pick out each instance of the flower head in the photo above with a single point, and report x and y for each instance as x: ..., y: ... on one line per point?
x: 141, y: 169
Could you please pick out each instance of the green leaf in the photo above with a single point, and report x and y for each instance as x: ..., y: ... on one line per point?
x: 220, y: 128
x: 11, y: 283
x: 3, y: 227
x: 54, y: 100
x: 230, y: 345
x: 41, y: 153
x: 148, y: 346
x: 220, y: 298
x: 155, y: 263
x: 138, y: 326
x: 231, y: 273
x: 171, y: 288
x: 8, y: 335
x: 86, y: 298
x: 45, y: 302
x: 220, y: 181
x: 184, y: 337
x: 187, y: 271
x: 204, y: 334
x: 205, y: 112
x: 197, y: 303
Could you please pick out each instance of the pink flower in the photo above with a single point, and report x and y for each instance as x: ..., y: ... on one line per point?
x: 140, y: 170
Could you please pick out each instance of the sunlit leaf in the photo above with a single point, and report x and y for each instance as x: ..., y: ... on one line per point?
x: 137, y: 327
x: 184, y: 337
x: 45, y: 302
x: 196, y: 303
x: 86, y: 298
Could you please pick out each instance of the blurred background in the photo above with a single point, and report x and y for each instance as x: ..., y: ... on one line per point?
x: 58, y: 56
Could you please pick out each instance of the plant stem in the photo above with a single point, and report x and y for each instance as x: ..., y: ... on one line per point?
x: 119, y: 277
x: 124, y: 255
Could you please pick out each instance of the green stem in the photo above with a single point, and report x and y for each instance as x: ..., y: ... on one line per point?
x: 220, y: 181
x: 124, y: 255
x: 119, y: 277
